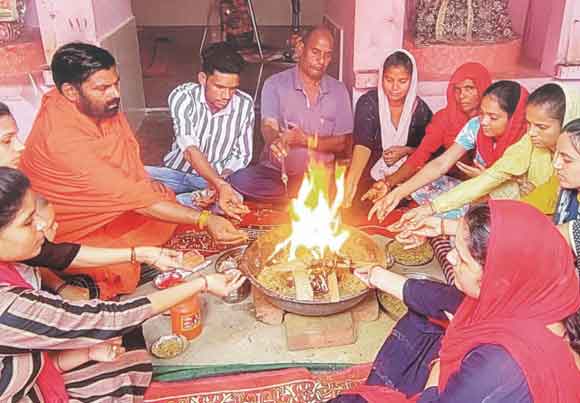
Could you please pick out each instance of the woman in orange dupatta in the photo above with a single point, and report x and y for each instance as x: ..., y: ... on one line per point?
x: 96, y: 205
x: 521, y: 297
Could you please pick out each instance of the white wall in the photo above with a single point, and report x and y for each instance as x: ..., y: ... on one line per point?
x: 123, y: 44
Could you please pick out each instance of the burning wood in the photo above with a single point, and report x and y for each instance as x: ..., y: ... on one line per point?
x: 314, y: 277
x: 339, y: 262
x: 311, y: 262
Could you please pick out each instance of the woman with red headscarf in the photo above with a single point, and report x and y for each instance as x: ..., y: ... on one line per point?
x: 464, y: 93
x: 500, y: 123
x: 514, y: 335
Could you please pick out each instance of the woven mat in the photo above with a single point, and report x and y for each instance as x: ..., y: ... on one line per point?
x: 295, y: 385
x: 258, y: 221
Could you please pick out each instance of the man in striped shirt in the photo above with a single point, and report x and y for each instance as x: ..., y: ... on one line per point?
x: 213, y: 123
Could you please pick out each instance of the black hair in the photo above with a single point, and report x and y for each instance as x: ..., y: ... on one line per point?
x: 572, y: 127
x: 221, y: 57
x: 13, y: 187
x: 399, y: 59
x: 75, y: 62
x: 506, y: 93
x: 573, y: 130
x: 551, y: 97
x: 4, y: 110
x: 478, y: 221
x: 572, y: 325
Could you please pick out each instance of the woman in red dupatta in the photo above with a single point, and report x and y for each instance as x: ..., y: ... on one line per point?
x: 463, y: 99
x: 464, y: 93
x: 516, y: 287
x: 501, y: 123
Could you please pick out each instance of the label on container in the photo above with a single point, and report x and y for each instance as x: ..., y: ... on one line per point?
x: 189, y: 322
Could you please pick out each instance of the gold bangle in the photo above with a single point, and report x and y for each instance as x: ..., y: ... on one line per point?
x: 133, y: 255
x: 203, y: 219
x: 205, y: 284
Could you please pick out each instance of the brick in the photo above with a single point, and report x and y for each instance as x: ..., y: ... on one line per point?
x: 305, y: 332
x: 367, y: 310
x: 265, y: 311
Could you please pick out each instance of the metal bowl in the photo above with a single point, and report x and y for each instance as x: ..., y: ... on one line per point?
x: 256, y: 255
x: 169, y: 346
x: 394, y: 306
x: 230, y: 260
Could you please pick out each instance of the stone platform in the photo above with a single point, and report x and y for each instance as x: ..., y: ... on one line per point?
x: 443, y: 59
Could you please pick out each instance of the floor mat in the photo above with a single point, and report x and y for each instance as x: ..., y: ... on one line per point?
x: 295, y: 385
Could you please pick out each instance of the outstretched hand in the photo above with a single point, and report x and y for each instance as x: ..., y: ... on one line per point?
x: 384, y: 206
x: 469, y: 170
x: 107, y: 351
x: 411, y: 218
x: 163, y: 259
x: 376, y: 192
x: 221, y: 284
x: 224, y: 231
x: 368, y: 275
x: 231, y: 202
x: 394, y: 153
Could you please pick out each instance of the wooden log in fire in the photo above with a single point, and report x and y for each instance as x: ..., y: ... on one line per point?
x: 333, y: 290
x: 299, y: 269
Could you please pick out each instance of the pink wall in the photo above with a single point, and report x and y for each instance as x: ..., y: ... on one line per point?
x: 110, y: 14
x: 342, y: 12
x: 518, y: 10
x: 31, y: 17
x: 380, y: 25
x: 539, y: 15
x: 556, y: 31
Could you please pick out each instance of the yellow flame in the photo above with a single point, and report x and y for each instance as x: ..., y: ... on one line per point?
x: 315, y: 222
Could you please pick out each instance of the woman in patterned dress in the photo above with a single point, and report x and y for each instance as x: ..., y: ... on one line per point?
x: 52, y: 350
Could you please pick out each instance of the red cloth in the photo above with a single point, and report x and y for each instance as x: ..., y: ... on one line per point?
x: 94, y: 177
x: 281, y: 385
x: 528, y: 282
x: 49, y: 380
x: 491, y: 149
x: 448, y: 122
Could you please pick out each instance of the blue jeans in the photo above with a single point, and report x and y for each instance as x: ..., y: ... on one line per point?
x: 180, y: 182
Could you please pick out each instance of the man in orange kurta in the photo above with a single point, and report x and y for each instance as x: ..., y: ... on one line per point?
x: 83, y: 157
